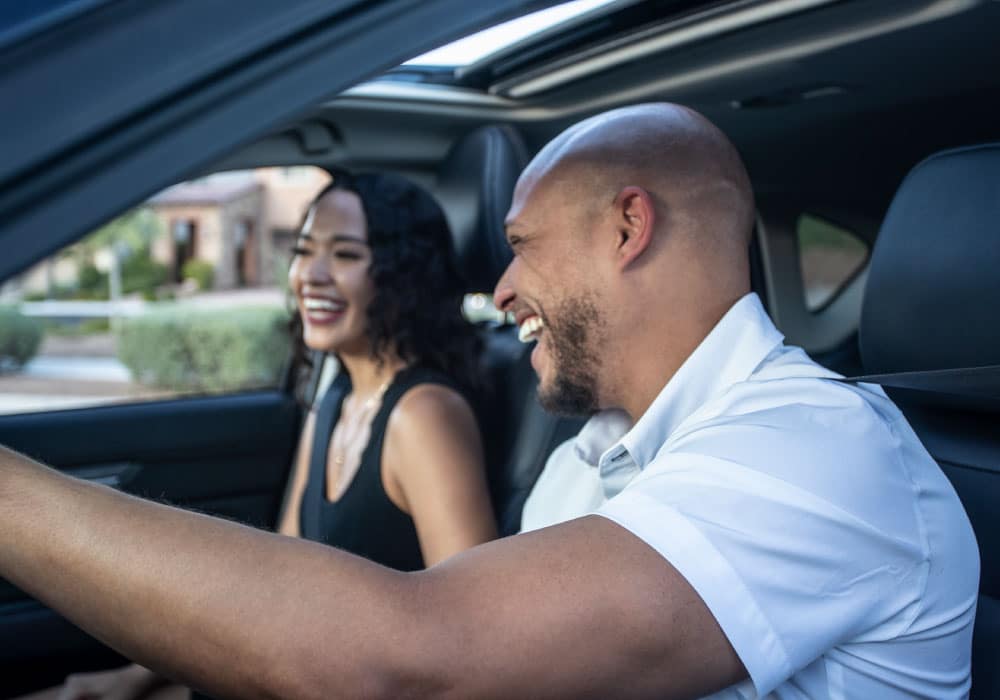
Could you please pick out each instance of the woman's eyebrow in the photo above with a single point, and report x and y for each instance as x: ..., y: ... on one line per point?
x: 335, y: 238
x: 347, y: 238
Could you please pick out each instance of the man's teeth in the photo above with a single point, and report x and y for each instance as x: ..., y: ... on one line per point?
x: 313, y: 304
x: 530, y: 329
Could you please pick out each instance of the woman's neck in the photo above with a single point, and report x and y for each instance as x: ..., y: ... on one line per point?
x: 368, y: 374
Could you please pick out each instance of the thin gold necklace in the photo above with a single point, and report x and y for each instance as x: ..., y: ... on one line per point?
x: 340, y: 455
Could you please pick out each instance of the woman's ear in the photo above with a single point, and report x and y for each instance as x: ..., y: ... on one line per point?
x: 635, y: 220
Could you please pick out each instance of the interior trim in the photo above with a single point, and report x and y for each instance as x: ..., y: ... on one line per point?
x: 671, y: 36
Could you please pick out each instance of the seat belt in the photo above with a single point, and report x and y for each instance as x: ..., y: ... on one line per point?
x: 976, y: 382
x: 326, y: 418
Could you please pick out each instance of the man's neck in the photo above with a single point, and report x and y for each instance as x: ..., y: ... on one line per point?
x: 654, y: 352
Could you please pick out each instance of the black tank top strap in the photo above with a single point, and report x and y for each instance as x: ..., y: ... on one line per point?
x: 404, y: 380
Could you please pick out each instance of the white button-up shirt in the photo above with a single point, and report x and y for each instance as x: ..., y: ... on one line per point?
x: 827, y: 543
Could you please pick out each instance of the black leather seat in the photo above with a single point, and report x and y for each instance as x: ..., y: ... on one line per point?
x: 475, y: 185
x: 932, y: 302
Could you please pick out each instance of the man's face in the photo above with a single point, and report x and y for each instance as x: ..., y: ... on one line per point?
x: 550, y: 288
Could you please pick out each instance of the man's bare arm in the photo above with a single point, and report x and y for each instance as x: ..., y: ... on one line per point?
x: 580, y: 609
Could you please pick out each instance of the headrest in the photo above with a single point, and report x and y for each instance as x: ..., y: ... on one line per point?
x: 932, y: 299
x: 475, y: 185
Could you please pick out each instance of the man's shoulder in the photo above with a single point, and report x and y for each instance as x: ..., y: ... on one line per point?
x: 794, y: 402
x: 794, y: 429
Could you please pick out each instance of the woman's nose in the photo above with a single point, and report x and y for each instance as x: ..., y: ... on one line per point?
x: 318, y: 269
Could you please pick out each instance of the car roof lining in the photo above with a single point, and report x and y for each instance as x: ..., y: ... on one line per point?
x: 840, y: 100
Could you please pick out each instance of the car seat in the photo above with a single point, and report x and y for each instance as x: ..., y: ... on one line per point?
x: 932, y: 302
x: 475, y: 185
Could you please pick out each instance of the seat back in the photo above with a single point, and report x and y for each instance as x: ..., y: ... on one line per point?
x: 475, y: 185
x: 932, y: 301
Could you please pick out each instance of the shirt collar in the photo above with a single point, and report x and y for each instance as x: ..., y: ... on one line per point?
x: 729, y: 354
x: 602, y: 430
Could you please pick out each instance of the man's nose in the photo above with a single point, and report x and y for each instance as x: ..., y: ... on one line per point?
x: 503, y: 293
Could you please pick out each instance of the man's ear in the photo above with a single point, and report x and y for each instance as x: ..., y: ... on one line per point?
x: 635, y: 220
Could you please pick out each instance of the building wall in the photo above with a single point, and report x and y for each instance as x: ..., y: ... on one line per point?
x: 64, y: 273
x: 246, y: 209
x: 207, y: 232
x: 287, y: 192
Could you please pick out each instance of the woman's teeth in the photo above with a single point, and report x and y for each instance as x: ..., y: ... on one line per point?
x: 313, y: 304
x: 530, y: 329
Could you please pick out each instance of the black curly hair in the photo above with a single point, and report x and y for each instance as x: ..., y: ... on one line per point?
x: 416, y: 310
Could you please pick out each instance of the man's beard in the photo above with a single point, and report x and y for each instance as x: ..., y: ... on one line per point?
x: 571, y: 340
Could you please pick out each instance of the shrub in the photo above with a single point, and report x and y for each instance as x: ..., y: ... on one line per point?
x: 93, y: 284
x: 20, y: 337
x: 200, y: 271
x: 140, y: 273
x: 181, y: 348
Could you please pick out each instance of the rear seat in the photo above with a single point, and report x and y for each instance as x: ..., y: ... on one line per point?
x: 932, y: 302
x: 475, y: 185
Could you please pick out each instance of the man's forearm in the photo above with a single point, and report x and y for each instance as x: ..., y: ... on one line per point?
x: 225, y: 607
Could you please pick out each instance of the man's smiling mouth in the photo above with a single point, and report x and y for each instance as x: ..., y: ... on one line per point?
x: 530, y: 329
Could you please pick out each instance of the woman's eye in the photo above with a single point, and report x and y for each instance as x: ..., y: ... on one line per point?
x: 299, y: 250
x: 347, y: 255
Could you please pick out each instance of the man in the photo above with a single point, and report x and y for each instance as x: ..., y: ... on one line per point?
x: 772, y: 529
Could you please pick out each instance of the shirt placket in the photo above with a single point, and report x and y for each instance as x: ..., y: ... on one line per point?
x: 617, y: 469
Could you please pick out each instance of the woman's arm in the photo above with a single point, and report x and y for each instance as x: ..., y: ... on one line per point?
x: 288, y: 521
x: 433, y: 469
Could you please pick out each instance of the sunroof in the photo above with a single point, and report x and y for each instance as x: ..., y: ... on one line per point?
x: 481, y: 44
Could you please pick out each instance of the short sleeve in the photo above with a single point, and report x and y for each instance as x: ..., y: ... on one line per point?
x: 784, y: 568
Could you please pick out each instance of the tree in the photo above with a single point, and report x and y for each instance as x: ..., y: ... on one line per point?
x: 126, y: 238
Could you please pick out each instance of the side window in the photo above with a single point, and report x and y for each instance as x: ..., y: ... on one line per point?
x: 185, y: 294
x: 829, y: 257
x: 479, y: 308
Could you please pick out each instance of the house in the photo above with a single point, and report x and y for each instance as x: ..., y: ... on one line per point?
x: 242, y: 222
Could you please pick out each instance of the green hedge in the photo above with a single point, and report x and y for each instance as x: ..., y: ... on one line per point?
x: 182, y: 348
x: 20, y: 337
x: 201, y: 272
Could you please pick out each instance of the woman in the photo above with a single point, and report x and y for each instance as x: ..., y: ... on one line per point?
x: 401, y: 478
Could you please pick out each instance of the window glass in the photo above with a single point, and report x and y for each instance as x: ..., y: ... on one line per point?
x: 829, y: 256
x: 479, y: 308
x: 183, y: 294
x: 481, y: 44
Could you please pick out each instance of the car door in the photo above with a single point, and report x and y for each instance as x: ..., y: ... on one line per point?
x: 106, y: 103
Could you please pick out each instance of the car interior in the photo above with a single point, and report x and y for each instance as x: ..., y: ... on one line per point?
x: 881, y: 120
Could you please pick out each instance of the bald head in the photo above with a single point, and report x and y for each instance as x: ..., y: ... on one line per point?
x: 687, y: 165
x: 630, y: 232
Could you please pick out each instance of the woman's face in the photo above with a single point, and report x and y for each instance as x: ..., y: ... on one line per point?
x: 329, y: 275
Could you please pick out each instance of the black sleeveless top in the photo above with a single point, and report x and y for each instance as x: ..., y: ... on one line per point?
x: 364, y: 520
